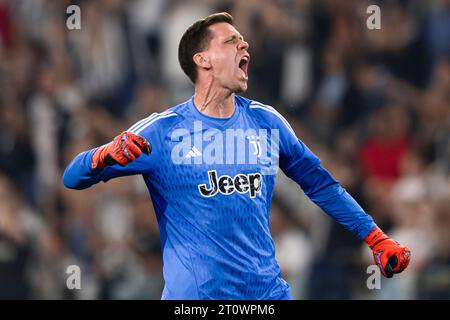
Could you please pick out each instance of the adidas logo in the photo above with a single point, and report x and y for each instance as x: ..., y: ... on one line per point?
x: 193, y: 153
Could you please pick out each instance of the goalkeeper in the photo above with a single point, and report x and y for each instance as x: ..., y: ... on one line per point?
x: 209, y: 164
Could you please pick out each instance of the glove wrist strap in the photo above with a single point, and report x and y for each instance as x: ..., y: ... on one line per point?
x: 98, y: 159
x: 375, y: 236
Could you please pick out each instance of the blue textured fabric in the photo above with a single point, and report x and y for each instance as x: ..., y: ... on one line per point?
x: 212, y: 196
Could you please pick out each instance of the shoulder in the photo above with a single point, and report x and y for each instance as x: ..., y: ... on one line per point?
x: 160, y: 121
x: 266, y: 114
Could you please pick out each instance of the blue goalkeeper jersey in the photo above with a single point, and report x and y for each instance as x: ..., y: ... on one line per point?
x: 211, y: 182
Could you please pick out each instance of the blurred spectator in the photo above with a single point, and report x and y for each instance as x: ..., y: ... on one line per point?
x: 15, y: 244
x: 438, y: 30
x: 293, y: 249
x: 101, y: 55
x: 434, y: 281
x: 387, y: 143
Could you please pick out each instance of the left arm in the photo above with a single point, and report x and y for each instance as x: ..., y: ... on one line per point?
x: 303, y: 166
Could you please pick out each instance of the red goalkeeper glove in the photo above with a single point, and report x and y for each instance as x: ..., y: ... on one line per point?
x: 126, y: 147
x: 389, y: 255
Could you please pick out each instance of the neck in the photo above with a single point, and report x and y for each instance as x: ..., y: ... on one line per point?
x: 213, y: 101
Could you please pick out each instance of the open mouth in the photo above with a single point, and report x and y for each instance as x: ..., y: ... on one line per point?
x: 243, y: 66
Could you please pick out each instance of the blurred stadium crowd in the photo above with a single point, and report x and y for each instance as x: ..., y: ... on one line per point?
x: 373, y: 104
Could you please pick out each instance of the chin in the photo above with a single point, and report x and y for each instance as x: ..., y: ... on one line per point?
x: 241, y: 88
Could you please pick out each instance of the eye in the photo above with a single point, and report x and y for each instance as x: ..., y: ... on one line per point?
x: 231, y: 40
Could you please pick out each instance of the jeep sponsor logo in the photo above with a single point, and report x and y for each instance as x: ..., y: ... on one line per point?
x: 242, y: 183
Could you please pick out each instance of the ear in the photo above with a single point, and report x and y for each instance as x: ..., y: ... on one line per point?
x: 201, y: 59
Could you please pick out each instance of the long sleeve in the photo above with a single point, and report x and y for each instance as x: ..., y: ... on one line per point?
x: 80, y: 175
x: 303, y: 166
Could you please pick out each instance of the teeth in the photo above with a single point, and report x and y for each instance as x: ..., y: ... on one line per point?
x: 242, y: 66
x: 243, y: 61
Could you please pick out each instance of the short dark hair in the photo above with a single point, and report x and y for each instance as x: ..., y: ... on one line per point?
x: 196, y: 39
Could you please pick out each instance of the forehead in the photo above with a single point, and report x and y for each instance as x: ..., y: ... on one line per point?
x: 223, y: 30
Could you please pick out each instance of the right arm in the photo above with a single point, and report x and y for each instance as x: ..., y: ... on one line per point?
x: 80, y: 175
x: 126, y: 155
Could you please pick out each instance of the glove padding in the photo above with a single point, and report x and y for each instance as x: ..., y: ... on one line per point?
x: 389, y: 255
x: 126, y: 147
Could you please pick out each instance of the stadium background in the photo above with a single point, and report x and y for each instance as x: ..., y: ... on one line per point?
x: 373, y: 104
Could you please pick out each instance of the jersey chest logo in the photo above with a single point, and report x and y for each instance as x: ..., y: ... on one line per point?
x: 242, y: 183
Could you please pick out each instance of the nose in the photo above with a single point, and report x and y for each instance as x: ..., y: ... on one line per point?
x: 243, y: 45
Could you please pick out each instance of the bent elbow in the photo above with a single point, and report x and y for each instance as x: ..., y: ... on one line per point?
x: 70, y: 182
